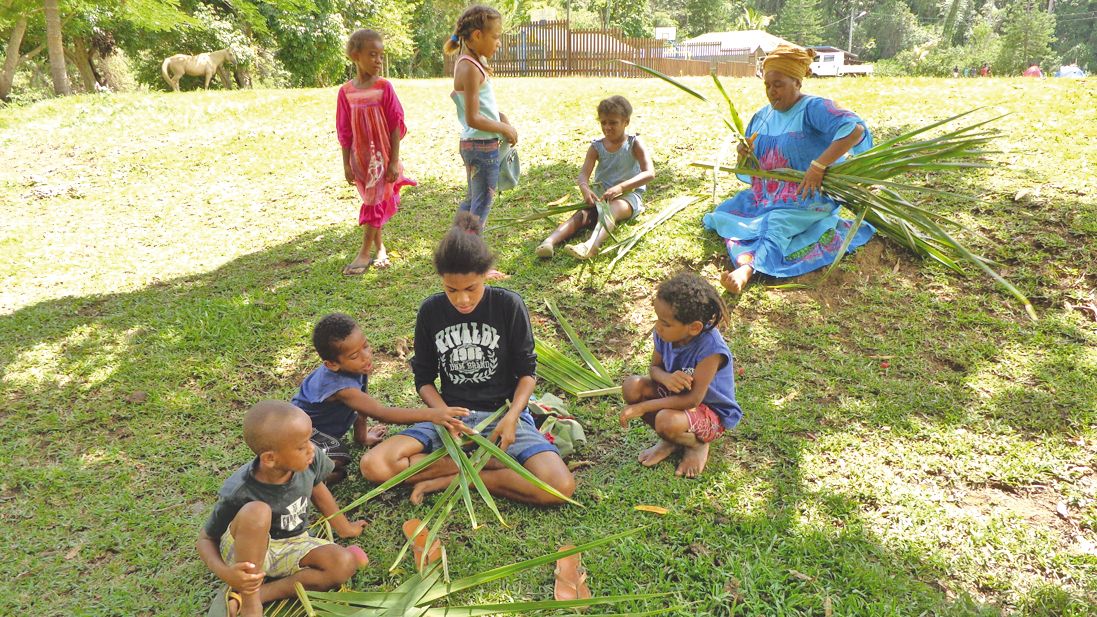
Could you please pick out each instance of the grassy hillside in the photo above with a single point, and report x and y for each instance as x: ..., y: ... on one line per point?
x: 163, y: 258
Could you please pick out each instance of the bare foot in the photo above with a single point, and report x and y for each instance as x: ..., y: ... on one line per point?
x: 495, y: 275
x: 424, y: 488
x: 737, y: 279
x: 369, y: 436
x: 655, y: 454
x: 693, y: 461
x: 544, y: 250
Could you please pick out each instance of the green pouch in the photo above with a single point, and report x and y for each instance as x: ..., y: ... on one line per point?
x: 565, y: 433
x: 510, y: 171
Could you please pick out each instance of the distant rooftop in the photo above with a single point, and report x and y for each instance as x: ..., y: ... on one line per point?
x: 743, y: 39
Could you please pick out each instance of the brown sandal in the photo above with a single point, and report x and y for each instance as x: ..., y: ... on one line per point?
x: 571, y: 580
x: 419, y: 543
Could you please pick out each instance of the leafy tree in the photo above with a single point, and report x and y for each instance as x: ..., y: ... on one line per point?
x: 889, y: 29
x: 800, y: 21
x: 1027, y: 37
x: 1076, y: 31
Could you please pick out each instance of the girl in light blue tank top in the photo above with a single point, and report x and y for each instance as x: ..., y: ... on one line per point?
x: 475, y: 39
x: 621, y: 167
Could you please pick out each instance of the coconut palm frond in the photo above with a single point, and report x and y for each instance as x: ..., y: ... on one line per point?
x: 865, y: 184
x: 622, y: 247
x: 424, y: 593
x: 569, y: 375
x: 502, y: 220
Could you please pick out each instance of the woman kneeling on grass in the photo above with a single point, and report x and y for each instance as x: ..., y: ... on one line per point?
x: 689, y: 394
x: 780, y: 228
x: 478, y: 340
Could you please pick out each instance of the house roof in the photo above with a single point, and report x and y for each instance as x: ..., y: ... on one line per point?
x: 742, y: 39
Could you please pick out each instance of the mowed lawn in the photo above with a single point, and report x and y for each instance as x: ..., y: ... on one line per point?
x: 912, y: 443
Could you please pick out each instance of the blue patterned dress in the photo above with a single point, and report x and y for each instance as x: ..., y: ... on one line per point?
x: 787, y: 235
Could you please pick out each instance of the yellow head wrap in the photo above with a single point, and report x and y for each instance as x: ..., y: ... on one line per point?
x: 790, y: 60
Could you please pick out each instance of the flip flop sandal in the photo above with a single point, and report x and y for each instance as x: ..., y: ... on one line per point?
x: 571, y: 580
x: 358, y: 270
x: 419, y: 543
x: 382, y: 264
x: 232, y: 596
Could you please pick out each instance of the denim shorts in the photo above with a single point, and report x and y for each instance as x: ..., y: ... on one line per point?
x: 481, y: 157
x: 528, y: 441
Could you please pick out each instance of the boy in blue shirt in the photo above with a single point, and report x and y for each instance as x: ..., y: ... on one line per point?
x: 335, y: 394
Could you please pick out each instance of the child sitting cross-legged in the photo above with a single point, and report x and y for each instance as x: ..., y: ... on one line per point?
x: 258, y: 526
x: 688, y: 397
x: 335, y: 394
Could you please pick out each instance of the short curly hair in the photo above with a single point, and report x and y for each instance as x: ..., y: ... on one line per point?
x: 617, y: 105
x: 329, y: 332
x: 692, y: 299
x: 358, y: 39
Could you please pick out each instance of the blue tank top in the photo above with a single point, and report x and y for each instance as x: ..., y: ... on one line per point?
x: 487, y: 104
x: 616, y: 167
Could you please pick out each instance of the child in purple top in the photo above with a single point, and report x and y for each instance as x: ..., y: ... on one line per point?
x: 689, y: 394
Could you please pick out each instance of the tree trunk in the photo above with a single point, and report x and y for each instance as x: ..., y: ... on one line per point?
x: 58, y: 70
x: 82, y: 60
x: 12, y: 58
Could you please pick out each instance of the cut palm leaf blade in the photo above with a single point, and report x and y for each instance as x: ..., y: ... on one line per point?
x: 420, y: 465
x: 734, y: 113
x: 517, y: 468
x: 509, y: 570
x: 580, y: 346
x: 669, y: 80
x: 462, y: 478
x: 467, y: 468
x: 599, y: 392
x: 541, y: 605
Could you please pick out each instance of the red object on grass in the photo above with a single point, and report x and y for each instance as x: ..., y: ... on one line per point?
x: 885, y: 364
x: 739, y: 372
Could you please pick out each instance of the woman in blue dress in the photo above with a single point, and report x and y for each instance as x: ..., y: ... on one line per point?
x: 780, y: 228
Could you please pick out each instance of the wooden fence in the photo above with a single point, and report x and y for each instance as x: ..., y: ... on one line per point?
x: 551, y: 49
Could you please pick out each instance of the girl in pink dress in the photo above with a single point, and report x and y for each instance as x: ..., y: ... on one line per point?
x: 370, y: 124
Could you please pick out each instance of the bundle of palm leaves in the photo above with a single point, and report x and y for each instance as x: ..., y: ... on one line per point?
x: 421, y: 593
x: 466, y: 479
x: 867, y: 185
x: 569, y: 375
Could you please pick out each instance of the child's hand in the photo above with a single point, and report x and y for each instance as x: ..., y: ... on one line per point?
x: 628, y: 413
x: 349, y: 529
x: 393, y: 171
x: 450, y: 418
x: 348, y: 173
x: 510, y: 134
x: 244, y: 576
x: 677, y: 381
x: 613, y: 192
x: 588, y: 195
x: 505, y: 431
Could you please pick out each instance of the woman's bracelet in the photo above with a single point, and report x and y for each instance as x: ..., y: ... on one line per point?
x: 818, y: 165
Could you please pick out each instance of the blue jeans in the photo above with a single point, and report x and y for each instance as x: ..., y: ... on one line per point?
x: 481, y: 157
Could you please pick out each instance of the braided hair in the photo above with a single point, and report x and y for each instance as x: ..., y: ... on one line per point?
x: 462, y: 250
x: 474, y: 18
x: 692, y: 299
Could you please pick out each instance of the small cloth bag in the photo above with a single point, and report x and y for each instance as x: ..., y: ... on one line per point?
x: 510, y: 171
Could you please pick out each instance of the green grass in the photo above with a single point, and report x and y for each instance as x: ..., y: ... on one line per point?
x: 163, y: 258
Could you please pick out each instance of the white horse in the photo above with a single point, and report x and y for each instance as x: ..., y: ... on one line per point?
x: 205, y: 65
